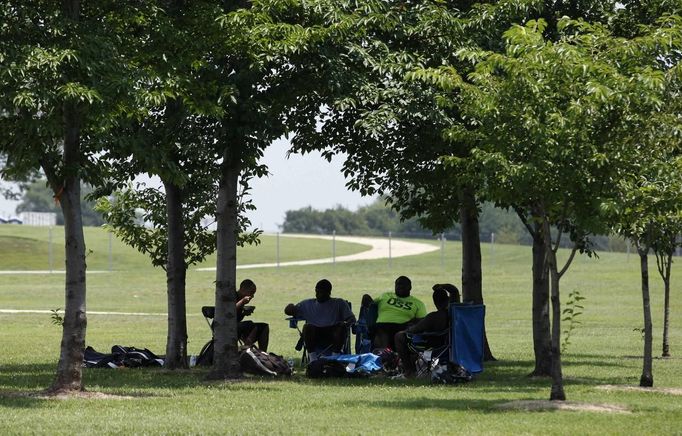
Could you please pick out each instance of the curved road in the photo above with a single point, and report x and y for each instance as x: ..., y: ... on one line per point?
x: 380, y: 248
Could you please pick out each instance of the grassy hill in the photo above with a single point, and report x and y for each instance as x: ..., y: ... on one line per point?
x: 605, y: 349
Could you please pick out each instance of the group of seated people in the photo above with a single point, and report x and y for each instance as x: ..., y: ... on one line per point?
x: 327, y: 319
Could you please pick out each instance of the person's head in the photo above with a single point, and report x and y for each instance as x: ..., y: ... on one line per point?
x: 441, y: 299
x: 247, y: 287
x: 323, y: 290
x: 403, y: 286
x: 450, y: 289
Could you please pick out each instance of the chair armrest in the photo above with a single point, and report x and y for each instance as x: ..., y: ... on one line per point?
x: 293, y: 321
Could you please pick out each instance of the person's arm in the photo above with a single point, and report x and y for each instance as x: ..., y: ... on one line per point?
x: 245, y: 299
x: 290, y: 310
x: 346, y: 313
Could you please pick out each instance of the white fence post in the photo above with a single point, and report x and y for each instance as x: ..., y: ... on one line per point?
x: 334, y: 247
x: 49, y: 247
x: 492, y: 249
x: 277, y: 250
x: 442, y: 250
x: 111, y: 257
x: 390, y: 255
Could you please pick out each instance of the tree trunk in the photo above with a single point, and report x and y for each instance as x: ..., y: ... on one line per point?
x: 472, y: 277
x: 176, y: 271
x: 665, y: 263
x: 666, y: 315
x: 647, y: 378
x: 67, y: 191
x: 542, y: 339
x: 226, y: 354
x: 557, y: 392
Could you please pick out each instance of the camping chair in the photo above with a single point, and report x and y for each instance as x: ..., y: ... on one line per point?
x: 364, y: 328
x: 206, y: 354
x: 300, y: 345
x: 466, y: 335
x: 432, y: 349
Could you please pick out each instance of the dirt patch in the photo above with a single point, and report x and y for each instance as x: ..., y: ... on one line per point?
x: 42, y: 395
x: 541, y: 405
x: 671, y: 391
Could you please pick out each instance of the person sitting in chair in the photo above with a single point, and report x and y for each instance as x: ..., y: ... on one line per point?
x: 396, y: 311
x: 438, y: 321
x: 327, y: 320
x: 250, y: 332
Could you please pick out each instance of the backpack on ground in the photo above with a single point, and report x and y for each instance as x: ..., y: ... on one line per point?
x: 258, y: 362
x: 450, y: 374
x: 323, y: 368
x: 120, y: 357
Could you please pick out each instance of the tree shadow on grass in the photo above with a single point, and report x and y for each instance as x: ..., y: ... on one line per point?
x: 21, y: 385
x: 426, y: 403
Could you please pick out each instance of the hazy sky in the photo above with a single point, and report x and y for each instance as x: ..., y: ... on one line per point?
x: 298, y: 182
x: 293, y: 183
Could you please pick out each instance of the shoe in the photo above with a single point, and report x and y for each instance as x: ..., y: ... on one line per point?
x: 399, y: 377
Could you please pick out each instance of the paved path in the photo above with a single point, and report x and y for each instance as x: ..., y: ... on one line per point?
x: 380, y: 248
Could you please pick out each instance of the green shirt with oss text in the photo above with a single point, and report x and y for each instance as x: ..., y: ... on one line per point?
x: 399, y: 310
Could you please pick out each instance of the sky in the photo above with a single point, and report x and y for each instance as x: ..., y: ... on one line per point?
x: 296, y: 182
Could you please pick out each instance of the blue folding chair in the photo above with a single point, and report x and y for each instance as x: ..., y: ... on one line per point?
x: 466, y: 335
x: 300, y: 345
x: 364, y: 328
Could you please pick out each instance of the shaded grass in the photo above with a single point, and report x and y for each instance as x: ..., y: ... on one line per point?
x: 182, y: 402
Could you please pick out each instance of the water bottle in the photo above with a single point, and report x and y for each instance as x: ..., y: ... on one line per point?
x: 290, y: 361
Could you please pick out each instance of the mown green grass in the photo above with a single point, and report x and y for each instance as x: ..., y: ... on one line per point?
x: 605, y: 349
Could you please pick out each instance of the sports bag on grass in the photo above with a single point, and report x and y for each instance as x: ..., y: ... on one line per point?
x: 257, y: 362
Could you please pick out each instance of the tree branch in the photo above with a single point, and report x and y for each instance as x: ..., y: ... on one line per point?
x: 569, y: 261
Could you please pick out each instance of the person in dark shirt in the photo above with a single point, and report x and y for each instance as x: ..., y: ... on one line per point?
x: 327, y: 319
x: 438, y: 321
x: 248, y: 331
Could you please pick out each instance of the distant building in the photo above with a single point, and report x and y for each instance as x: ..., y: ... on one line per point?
x: 39, y: 218
x: 10, y: 220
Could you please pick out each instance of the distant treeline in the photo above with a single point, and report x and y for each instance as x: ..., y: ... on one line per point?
x: 377, y: 219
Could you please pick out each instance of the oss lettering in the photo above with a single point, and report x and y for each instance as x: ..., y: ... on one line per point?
x: 407, y: 305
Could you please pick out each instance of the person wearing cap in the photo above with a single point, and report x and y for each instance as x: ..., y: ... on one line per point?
x: 396, y: 311
x: 327, y: 319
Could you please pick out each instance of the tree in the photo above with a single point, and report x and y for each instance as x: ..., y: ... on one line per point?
x: 259, y: 39
x: 169, y: 136
x: 391, y: 126
x: 555, y: 124
x: 61, y: 77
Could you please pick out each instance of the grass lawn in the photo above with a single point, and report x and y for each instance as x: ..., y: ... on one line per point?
x: 605, y: 350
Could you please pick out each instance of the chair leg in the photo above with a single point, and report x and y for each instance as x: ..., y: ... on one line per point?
x: 304, y: 358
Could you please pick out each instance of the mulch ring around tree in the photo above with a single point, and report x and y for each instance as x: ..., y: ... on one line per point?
x: 543, y: 405
x: 670, y: 391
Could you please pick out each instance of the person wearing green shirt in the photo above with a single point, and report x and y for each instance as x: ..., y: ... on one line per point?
x: 396, y: 311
